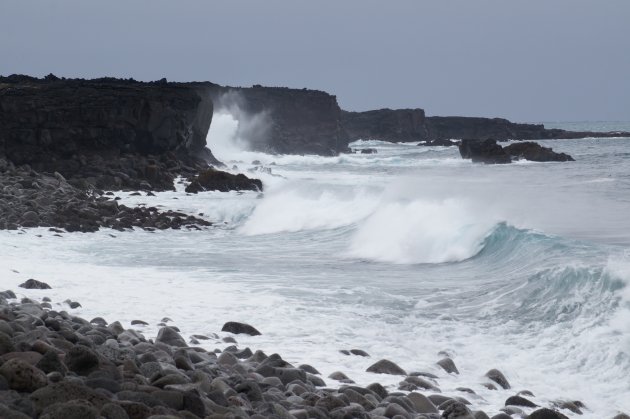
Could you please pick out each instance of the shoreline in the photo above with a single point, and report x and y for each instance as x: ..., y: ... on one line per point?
x: 237, y: 381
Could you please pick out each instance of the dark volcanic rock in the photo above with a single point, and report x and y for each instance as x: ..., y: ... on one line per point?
x: 171, y: 337
x: 534, y: 152
x: 395, y: 125
x: 217, y: 180
x: 448, y: 365
x: 236, y: 328
x: 22, y: 376
x: 33, y: 284
x: 291, y: 121
x: 385, y: 366
x: 498, y: 377
x: 519, y: 401
x: 546, y: 414
x: 484, y: 151
x: 118, y: 133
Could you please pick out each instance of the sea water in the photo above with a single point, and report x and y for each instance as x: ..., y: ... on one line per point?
x: 404, y: 253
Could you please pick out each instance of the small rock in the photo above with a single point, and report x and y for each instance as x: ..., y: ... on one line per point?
x: 385, y: 366
x: 498, y: 377
x: 238, y: 328
x: 448, y: 365
x: 519, y: 401
x: 33, y: 284
x: 545, y: 413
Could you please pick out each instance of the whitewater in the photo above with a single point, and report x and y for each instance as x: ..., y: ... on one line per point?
x: 405, y: 253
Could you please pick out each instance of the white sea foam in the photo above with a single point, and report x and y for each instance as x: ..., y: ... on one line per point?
x: 420, y: 232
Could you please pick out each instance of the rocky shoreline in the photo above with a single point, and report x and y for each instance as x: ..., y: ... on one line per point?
x: 56, y: 365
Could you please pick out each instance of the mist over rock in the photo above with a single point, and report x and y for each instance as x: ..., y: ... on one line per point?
x: 290, y: 121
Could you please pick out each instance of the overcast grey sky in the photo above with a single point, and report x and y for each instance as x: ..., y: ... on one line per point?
x: 534, y: 60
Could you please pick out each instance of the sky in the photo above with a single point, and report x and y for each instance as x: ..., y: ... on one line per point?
x: 530, y: 61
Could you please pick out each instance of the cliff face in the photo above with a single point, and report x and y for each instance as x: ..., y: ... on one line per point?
x: 292, y: 121
x: 400, y: 125
x: 121, y: 129
x: 397, y: 125
x: 445, y: 127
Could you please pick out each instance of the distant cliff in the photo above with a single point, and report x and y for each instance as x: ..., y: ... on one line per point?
x: 298, y: 121
x: 397, y: 125
x: 118, y: 133
x: 406, y: 125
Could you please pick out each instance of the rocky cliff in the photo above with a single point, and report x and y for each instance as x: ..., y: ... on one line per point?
x: 406, y: 125
x: 397, y: 125
x: 114, y: 133
x: 289, y: 121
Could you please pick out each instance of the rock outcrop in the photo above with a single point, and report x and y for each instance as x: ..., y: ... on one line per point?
x: 108, y: 133
x: 483, y: 151
x: 529, y: 150
x: 288, y: 121
x: 217, y: 180
x: 489, y: 152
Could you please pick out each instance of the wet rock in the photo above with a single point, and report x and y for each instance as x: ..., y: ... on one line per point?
x: 50, y: 362
x: 8, y: 294
x: 519, y: 401
x: 75, y: 409
x: 480, y: 414
x: 238, y: 328
x: 340, y: 376
x: 378, y: 389
x: 171, y: 337
x: 22, y: 376
x: 573, y: 406
x: 545, y: 413
x: 33, y: 284
x: 359, y: 352
x: 501, y: 416
x: 421, y: 403
x: 309, y: 369
x: 457, y: 410
x: 139, y: 322
x: 385, y: 366
x: 369, y: 151
x: 216, y: 180
x: 421, y: 383
x: 529, y: 150
x: 484, y: 151
x: 448, y: 365
x: 498, y: 377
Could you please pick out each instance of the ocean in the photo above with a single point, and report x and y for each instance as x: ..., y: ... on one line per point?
x: 406, y: 253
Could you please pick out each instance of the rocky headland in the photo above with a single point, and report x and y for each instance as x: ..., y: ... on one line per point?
x: 64, y: 142
x: 56, y: 365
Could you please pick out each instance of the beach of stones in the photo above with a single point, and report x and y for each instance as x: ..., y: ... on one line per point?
x: 55, y: 365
